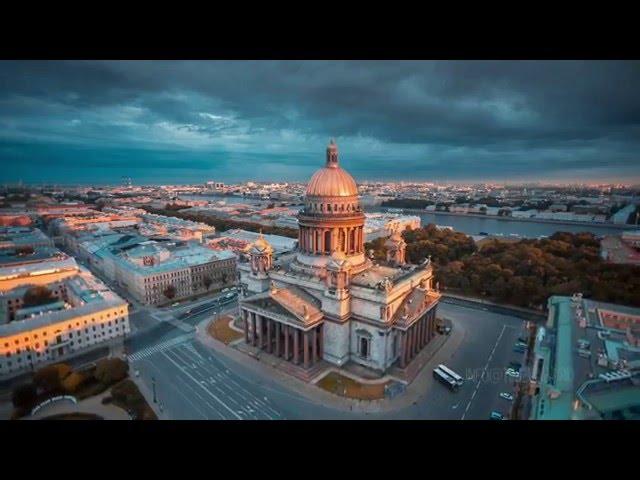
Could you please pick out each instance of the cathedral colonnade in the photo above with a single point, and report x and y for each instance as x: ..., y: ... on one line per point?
x: 323, y: 240
x: 416, y: 337
x: 296, y: 345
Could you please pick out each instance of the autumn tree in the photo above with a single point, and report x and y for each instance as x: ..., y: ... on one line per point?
x: 170, y: 292
x: 37, y: 295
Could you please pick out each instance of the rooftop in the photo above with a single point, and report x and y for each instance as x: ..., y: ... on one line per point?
x: 575, y: 349
x: 94, y: 297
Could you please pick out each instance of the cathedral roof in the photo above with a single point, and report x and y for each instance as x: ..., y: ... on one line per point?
x: 296, y: 304
x: 332, y: 180
x: 414, y: 305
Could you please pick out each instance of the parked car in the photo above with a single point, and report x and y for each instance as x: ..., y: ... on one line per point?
x: 496, y: 416
x: 584, y: 353
x: 506, y: 396
x: 512, y: 373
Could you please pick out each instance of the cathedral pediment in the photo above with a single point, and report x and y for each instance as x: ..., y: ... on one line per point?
x: 414, y: 305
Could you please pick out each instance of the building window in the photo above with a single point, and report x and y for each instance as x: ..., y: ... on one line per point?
x: 364, y: 347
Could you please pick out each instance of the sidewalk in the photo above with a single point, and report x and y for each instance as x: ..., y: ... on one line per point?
x: 315, y: 394
x: 480, y: 301
x: 148, y: 396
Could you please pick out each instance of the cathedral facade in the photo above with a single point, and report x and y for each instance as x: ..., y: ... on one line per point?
x: 330, y: 300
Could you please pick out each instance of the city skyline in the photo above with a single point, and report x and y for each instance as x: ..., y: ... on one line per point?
x: 169, y: 122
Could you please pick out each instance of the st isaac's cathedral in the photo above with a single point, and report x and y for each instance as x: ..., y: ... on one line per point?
x: 329, y: 301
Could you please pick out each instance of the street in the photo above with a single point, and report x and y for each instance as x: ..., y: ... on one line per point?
x: 193, y: 382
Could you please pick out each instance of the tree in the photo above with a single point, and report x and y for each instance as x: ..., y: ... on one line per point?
x: 170, y: 292
x: 72, y: 382
x: 38, y: 295
x: 110, y: 370
x: 24, y: 396
x: 49, y: 378
x: 207, y: 281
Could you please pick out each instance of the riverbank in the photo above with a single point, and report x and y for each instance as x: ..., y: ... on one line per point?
x: 512, y: 219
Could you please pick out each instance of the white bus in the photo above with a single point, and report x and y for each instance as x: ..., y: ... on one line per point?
x: 444, y: 378
x: 458, y: 379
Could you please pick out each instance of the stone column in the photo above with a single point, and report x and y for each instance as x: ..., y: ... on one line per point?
x: 278, y: 339
x: 296, y: 347
x: 427, y: 329
x: 403, y: 349
x: 410, y: 344
x: 286, y: 342
x: 254, y: 330
x: 306, y: 349
x: 351, y: 240
x: 414, y: 345
x: 269, y: 338
x: 315, y: 345
x: 432, y: 324
x: 421, y: 334
x: 261, y: 329
x: 246, y: 326
x: 320, y: 341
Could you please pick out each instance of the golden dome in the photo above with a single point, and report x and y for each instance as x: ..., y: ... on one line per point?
x: 261, y: 246
x: 331, y: 180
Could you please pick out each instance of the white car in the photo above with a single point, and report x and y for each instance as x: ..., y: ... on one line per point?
x: 512, y: 373
x: 506, y: 396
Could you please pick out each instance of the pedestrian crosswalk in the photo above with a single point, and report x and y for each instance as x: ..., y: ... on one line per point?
x: 146, y: 352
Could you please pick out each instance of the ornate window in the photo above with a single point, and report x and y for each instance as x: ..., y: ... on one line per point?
x: 364, y: 343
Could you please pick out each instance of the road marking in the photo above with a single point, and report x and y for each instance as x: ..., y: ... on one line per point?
x: 146, y: 352
x: 173, y: 387
x: 493, y: 350
x: 201, y: 386
x: 226, y: 383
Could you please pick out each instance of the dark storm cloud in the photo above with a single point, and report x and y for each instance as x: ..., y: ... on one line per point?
x: 443, y: 120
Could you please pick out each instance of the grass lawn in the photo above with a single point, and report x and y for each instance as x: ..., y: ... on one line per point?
x: 346, y: 387
x: 220, y: 330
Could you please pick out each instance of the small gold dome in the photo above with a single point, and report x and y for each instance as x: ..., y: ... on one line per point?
x: 261, y: 245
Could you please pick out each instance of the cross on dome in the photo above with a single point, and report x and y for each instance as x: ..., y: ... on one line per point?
x: 332, y: 154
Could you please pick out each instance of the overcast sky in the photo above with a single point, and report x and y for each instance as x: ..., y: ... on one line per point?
x: 187, y: 122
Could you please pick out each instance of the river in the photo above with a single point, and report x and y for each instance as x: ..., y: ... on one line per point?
x: 471, y: 225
